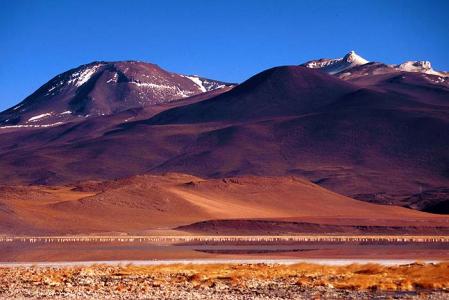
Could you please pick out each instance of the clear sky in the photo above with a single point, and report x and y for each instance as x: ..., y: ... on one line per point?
x: 228, y: 40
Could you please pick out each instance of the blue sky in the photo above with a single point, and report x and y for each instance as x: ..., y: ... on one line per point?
x: 227, y: 40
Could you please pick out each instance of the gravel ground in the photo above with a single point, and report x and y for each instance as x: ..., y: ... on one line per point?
x: 103, y: 282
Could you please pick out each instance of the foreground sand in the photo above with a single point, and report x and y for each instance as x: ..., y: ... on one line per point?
x: 228, y: 281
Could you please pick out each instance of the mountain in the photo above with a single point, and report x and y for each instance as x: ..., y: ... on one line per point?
x: 378, y: 137
x: 353, y: 66
x: 103, y: 88
x: 381, y: 142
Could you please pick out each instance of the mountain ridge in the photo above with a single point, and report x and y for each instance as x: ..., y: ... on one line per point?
x: 342, y: 67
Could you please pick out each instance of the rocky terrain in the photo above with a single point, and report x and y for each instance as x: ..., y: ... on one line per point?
x: 259, y: 281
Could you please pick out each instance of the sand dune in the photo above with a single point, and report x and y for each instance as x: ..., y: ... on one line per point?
x: 149, y: 203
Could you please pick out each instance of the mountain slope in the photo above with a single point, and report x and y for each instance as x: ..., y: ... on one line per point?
x: 103, y: 88
x: 280, y: 91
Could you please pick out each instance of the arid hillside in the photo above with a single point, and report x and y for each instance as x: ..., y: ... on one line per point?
x: 149, y: 203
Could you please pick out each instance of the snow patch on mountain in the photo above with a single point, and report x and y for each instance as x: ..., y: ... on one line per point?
x: 197, y: 81
x: 321, y: 63
x: 17, y: 107
x: 164, y: 89
x: 32, y: 126
x: 205, y: 84
x: 35, y: 118
x: 82, y: 76
x: 113, y: 79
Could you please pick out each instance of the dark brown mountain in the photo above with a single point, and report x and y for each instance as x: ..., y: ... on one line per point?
x: 103, y: 88
x: 277, y: 92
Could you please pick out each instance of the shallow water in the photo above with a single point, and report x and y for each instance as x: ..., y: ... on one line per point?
x: 125, y: 252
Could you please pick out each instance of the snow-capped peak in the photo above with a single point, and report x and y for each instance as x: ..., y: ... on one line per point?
x: 354, y: 58
x: 418, y: 66
x: 334, y: 66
